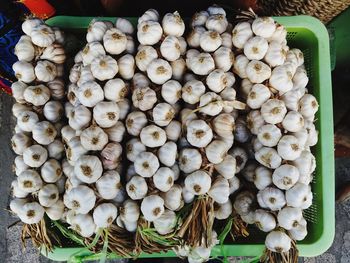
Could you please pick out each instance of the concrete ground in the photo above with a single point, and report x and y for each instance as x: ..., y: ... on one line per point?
x: 11, y: 249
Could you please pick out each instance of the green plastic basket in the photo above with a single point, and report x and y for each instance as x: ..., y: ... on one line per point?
x: 309, y: 35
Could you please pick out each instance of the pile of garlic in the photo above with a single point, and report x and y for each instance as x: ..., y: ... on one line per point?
x: 39, y: 111
x: 96, y: 110
x: 280, y: 119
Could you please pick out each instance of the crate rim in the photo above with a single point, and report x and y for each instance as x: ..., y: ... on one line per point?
x: 326, y: 139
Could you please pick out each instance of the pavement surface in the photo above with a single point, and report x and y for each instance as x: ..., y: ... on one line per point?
x: 11, y: 250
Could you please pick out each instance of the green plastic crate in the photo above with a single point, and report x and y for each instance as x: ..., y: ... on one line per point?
x: 309, y: 35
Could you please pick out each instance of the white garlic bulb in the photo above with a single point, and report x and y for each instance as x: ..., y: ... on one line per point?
x: 88, y: 168
x: 53, y: 111
x: 217, y: 80
x: 264, y: 26
x: 133, y: 148
x: 152, y: 207
x: 26, y: 120
x: 54, y: 53
x: 150, y: 15
x: 170, y: 48
x: 149, y: 32
x: 29, y: 181
x: 278, y: 241
x: 173, y: 198
x: 115, y: 90
x: 124, y: 25
x: 178, y: 68
x: 262, y: 177
x: 24, y: 49
x: 268, y: 157
x: 227, y: 168
x: 104, y: 215
x: 90, y: 93
x: 159, y: 71
x: 198, y: 182
x: 163, y: 179
x: 111, y: 155
x: 91, y: 51
x: 300, y: 79
x: 24, y: 71
x: 210, y: 41
x: 144, y: 98
x: 106, y: 114
x: 264, y: 220
x: 83, y: 224
x: 202, y: 64
x: 193, y: 38
x: 19, y: 165
x: 144, y: 57
x: 135, y: 122
x: 166, y: 222
x: 308, y: 106
x: 281, y: 79
x: 220, y: 190
x: 299, y: 196
x: 257, y: 71
x: 114, y: 41
x: 224, y: 58
x: 31, y: 213
x: 37, y: 95
x: 45, y: 71
x: 74, y: 149
x: 273, y: 111
x: 55, y: 212
x: 35, y: 156
x: 216, y: 151
x: 130, y: 211
x: 285, y: 176
x: 269, y: 135
x: 276, y: 54
x: 305, y: 163
x: 241, y: 33
x: 51, y: 171
x: 16, y: 191
x: 18, y: 89
x: 109, y: 185
x: 199, y: 134
x: 299, y: 233
x: 146, y: 164
x: 48, y: 195
x: 257, y: 96
x: 153, y: 136
x: 137, y: 187
x: 190, y: 160
x: 192, y: 91
x: 126, y: 66
x: 279, y: 35
x: 104, y: 67
x: 80, y: 199
x: 255, y: 48
x: 44, y: 132
x: 167, y: 153
x: 93, y: 138
x: 289, y: 148
x: 289, y: 217
x: 19, y: 142
x: 96, y: 31
x: 293, y: 121
x: 217, y: 22
x: 223, y: 211
x: 271, y: 198
x: 42, y: 35
x: 171, y: 91
x: 116, y: 132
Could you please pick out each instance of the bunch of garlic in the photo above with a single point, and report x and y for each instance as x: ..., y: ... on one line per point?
x: 280, y: 121
x: 39, y: 111
x: 96, y: 109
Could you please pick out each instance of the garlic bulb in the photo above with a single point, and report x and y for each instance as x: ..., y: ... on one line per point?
x: 16, y: 205
x: 223, y: 58
x: 255, y: 48
x: 163, y: 179
x: 171, y: 91
x: 223, y: 211
x: 273, y: 111
x: 19, y: 165
x: 44, y: 132
x: 299, y: 196
x: 18, y: 89
x: 130, y: 211
x: 29, y: 24
x: 67, y: 133
x: 264, y: 220
x: 220, y: 190
x: 224, y: 124
x: 54, y: 53
x: 308, y: 106
x: 257, y: 71
x: 88, y: 168
x: 178, y: 68
x: 293, y: 121
x: 210, y: 41
x: 75, y: 149
x: 37, y: 95
x: 135, y: 122
x: 300, y: 79
x: 173, y: 25
x: 246, y: 86
x: 211, y: 104
x: 257, y: 96
x: 19, y: 142
x: 278, y: 241
x: 269, y: 135
x: 35, y: 156
x: 109, y: 185
x: 268, y: 157
x: 80, y: 199
x: 193, y: 39
x: 264, y: 26
x: 55, y: 212
x: 104, y: 215
x: 146, y: 164
x: 241, y: 157
x: 165, y: 223
x: 167, y: 153
x: 26, y: 120
x: 42, y: 35
x: 137, y: 187
x: 144, y: 98
x: 106, y: 114
x: 162, y: 114
x: 51, y: 171
x: 243, y: 203
x: 152, y: 136
x: 90, y: 93
x: 216, y: 151
x: 170, y: 48
x: 150, y: 15
x: 24, y: 71
x: 299, y: 232
x: 45, y: 71
x: 227, y: 168
x: 16, y: 191
x: 255, y: 121
x: 289, y: 217
x: 144, y: 57
x: 83, y: 224
x: 271, y: 198
x: 192, y: 91
x: 199, y: 19
x: 31, y: 213
x: 289, y: 148
x: 281, y: 79
x: 53, y: 111
x: 241, y: 33
x: 295, y: 56
x: 152, y: 207
x: 149, y: 32
x: 217, y: 22
x: 29, y: 181
x: 104, y: 67
x: 111, y: 155
x: 116, y: 132
x: 198, y: 182
x: 91, y: 51
x: 305, y: 163
x: 279, y: 35
x: 202, y: 64
x: 48, y: 195
x: 93, y: 138
x: 199, y: 134
x: 96, y: 31
x: 173, y: 198
x: 124, y: 25
x: 126, y: 66
x: 217, y: 80
x: 262, y: 177
x: 133, y: 148
x: 285, y: 176
x: 115, y: 90
x: 24, y: 49
x: 190, y: 160
x: 114, y: 41
x: 276, y: 54
x: 159, y: 71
